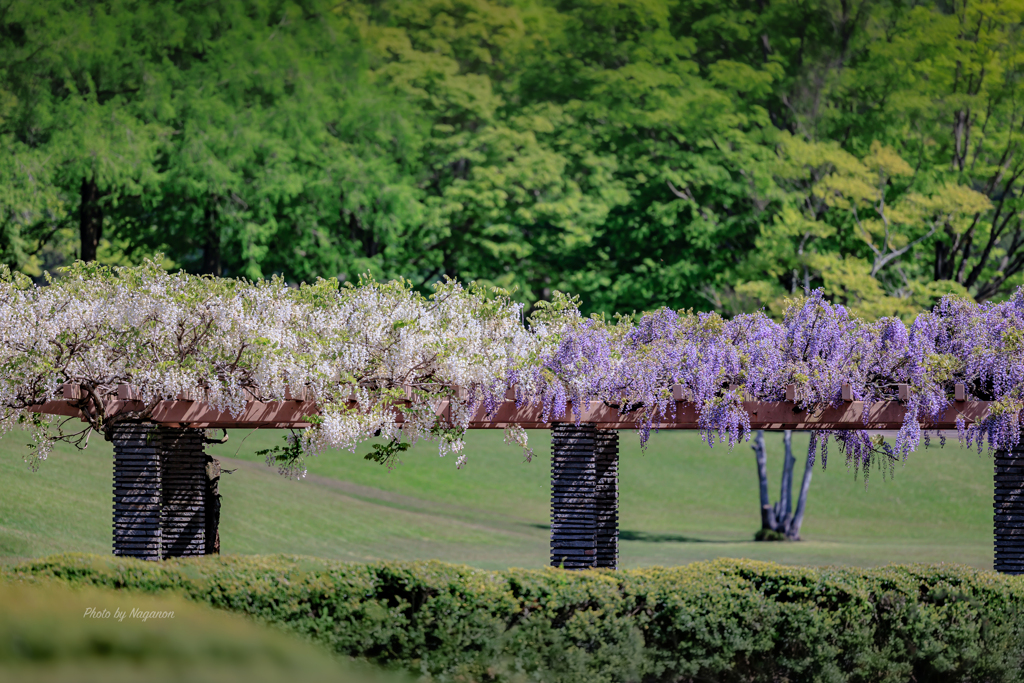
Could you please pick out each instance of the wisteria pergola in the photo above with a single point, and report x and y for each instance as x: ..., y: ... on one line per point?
x: 164, y: 485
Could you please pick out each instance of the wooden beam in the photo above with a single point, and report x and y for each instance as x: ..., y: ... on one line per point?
x: 771, y: 416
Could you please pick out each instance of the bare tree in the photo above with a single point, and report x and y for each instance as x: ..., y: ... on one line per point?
x: 780, y: 520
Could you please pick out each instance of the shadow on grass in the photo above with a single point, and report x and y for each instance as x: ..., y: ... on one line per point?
x: 646, y: 537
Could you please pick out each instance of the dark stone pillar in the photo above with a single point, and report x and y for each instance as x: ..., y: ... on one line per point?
x: 573, y: 509
x: 1008, y: 509
x: 137, y: 491
x: 606, y: 461
x: 183, y: 506
x: 160, y: 491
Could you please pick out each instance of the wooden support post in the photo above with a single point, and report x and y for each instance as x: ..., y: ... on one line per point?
x: 606, y: 463
x: 161, y: 489
x: 573, y: 501
x: 1008, y: 509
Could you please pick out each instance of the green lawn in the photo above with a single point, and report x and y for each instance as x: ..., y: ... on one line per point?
x: 679, y: 502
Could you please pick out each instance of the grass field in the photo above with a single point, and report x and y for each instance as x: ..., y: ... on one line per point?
x: 679, y: 502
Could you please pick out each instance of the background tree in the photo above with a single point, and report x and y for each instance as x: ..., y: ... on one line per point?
x: 940, y: 88
x: 847, y: 225
x: 662, y: 152
x: 74, y: 77
x: 780, y: 521
x: 498, y: 171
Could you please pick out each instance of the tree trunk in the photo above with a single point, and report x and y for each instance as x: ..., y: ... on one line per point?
x: 793, y: 532
x: 211, y: 245
x: 212, y: 504
x: 784, y: 508
x: 761, y: 456
x: 90, y: 219
x: 779, y: 518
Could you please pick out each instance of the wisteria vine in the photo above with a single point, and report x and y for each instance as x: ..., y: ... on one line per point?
x: 365, y: 352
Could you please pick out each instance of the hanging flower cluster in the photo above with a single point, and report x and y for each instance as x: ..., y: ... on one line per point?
x: 363, y: 353
x: 359, y: 352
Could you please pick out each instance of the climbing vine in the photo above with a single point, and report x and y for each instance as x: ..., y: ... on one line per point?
x: 363, y: 353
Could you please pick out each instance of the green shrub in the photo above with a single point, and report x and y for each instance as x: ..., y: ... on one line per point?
x: 723, y: 621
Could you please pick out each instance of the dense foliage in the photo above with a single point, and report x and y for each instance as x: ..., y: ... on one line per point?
x: 365, y: 352
x: 725, y: 620
x: 687, y: 153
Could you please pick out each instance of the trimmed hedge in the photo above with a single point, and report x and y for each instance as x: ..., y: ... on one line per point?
x: 725, y: 620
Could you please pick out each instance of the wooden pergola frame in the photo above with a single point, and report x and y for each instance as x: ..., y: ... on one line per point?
x: 163, y: 503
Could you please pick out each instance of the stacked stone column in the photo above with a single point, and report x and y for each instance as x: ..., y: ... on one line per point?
x: 137, y: 491
x: 161, y: 492
x: 606, y: 494
x: 584, y: 496
x: 183, y: 502
x: 1008, y: 509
